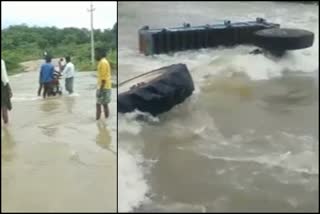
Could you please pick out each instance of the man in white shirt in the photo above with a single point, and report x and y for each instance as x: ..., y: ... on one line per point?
x: 68, y: 73
x: 6, y: 93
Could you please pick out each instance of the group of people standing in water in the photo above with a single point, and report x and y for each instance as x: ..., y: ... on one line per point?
x: 49, y: 82
x: 50, y: 76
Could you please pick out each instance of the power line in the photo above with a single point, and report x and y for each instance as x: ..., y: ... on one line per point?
x: 91, y: 10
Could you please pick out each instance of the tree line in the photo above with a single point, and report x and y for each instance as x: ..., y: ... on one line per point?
x: 22, y: 43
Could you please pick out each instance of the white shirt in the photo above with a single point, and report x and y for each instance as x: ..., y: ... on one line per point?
x: 68, y: 71
x: 4, y: 74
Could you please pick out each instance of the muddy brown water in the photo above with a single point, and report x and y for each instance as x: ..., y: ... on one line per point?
x: 246, y: 140
x: 55, y: 156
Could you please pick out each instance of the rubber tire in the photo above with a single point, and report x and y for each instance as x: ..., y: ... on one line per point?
x: 161, y: 94
x: 283, y: 39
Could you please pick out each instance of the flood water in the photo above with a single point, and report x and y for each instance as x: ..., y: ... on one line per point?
x: 55, y: 156
x: 246, y: 140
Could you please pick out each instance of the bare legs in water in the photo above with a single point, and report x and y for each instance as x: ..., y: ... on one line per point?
x: 4, y: 115
x: 106, y: 111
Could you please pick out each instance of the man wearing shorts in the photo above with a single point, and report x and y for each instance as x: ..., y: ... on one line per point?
x: 104, y: 83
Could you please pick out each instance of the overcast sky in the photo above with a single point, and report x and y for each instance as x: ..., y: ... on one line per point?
x: 59, y: 14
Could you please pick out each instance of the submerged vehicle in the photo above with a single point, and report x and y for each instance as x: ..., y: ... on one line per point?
x: 156, y: 91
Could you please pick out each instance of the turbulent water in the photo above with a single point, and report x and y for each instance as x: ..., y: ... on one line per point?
x: 55, y: 156
x: 246, y: 140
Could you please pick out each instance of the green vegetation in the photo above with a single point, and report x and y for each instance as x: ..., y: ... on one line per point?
x: 23, y: 43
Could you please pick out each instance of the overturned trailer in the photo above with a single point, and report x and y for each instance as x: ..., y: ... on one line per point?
x: 166, y: 40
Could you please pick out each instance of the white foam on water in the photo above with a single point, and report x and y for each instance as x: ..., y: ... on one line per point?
x: 132, y: 184
x: 303, y: 160
x: 25, y: 98
x: 212, y: 61
x: 30, y: 97
x: 73, y: 95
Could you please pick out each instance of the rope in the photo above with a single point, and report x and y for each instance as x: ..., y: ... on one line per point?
x: 146, y: 73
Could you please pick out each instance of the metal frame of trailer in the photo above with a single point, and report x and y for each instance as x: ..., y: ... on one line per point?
x: 167, y: 40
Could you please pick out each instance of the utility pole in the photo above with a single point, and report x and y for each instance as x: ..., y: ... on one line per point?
x: 92, y: 35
